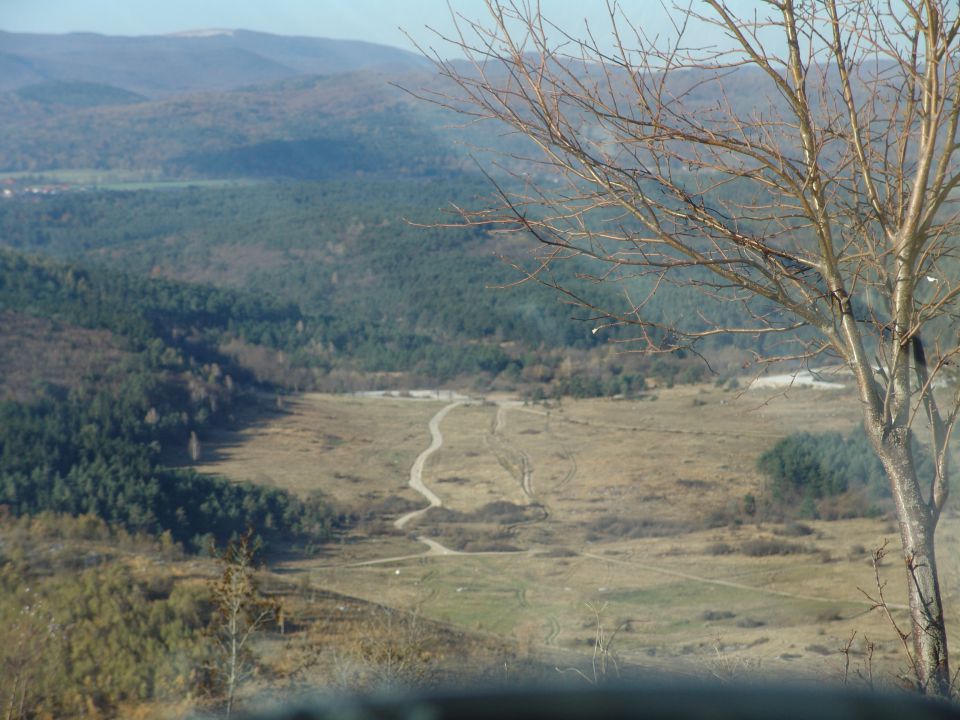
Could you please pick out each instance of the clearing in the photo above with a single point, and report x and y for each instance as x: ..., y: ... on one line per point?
x: 518, y: 520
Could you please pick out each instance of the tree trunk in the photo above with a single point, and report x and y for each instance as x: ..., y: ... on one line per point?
x: 926, y: 613
x: 917, y: 526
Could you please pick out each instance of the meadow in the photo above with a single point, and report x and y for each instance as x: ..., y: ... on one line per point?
x: 563, y: 520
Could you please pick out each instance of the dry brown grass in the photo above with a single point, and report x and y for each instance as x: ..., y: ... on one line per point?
x: 632, y: 492
x: 356, y: 450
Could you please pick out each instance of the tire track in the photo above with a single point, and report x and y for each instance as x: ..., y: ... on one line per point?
x: 553, y: 631
x: 526, y: 470
x: 521, y: 594
x: 571, y: 473
x: 515, y: 461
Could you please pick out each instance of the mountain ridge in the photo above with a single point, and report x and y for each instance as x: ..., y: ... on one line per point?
x: 190, y: 61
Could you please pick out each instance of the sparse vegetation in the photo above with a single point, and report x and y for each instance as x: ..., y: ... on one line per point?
x: 764, y: 547
x: 92, y: 641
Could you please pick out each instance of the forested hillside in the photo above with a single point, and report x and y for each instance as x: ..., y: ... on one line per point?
x: 305, y: 127
x: 96, y: 445
x: 183, y: 62
x: 331, y: 267
x: 355, y: 275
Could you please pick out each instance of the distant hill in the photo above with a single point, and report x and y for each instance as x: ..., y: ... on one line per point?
x: 77, y: 94
x: 252, y: 105
x: 162, y: 65
x: 315, y: 127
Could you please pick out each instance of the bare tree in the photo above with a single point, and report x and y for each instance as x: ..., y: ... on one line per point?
x: 26, y: 646
x: 240, y: 611
x: 804, y: 171
x: 193, y: 447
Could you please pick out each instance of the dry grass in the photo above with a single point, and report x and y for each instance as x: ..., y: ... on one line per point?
x: 356, y: 450
x: 631, y: 493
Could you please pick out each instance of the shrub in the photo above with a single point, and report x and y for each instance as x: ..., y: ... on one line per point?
x: 794, y: 529
x: 559, y: 552
x: 719, y: 548
x: 613, y: 526
x: 764, y: 547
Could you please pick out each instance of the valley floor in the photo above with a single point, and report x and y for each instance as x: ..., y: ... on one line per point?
x: 539, y: 524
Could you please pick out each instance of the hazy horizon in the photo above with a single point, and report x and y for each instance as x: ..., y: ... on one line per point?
x: 407, y: 26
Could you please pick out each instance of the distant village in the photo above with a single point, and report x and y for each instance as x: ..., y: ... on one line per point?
x: 14, y: 187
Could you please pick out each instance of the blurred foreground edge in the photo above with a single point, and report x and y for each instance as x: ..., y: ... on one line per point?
x: 668, y: 702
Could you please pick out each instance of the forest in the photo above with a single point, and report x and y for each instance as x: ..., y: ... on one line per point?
x: 98, y: 448
x: 369, y: 277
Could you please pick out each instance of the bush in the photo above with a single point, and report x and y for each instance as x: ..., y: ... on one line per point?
x: 794, y: 529
x: 764, y: 547
x: 719, y: 548
x: 615, y: 527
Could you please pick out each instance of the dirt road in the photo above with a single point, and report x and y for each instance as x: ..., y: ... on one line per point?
x: 416, y: 472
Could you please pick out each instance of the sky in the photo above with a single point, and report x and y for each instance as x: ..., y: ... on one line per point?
x: 379, y: 21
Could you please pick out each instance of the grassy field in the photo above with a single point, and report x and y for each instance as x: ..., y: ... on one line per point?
x: 630, y: 511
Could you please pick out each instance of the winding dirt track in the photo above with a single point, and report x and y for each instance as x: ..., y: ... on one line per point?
x: 437, y: 549
x: 416, y: 482
x: 416, y: 472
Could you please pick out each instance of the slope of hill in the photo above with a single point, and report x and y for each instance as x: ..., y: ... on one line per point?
x: 147, y: 382
x: 77, y: 94
x: 379, y: 288
x: 376, y: 293
x: 315, y: 127
x: 185, y: 62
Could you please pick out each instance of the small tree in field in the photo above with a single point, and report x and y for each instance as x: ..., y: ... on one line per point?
x: 801, y: 173
x: 240, y: 611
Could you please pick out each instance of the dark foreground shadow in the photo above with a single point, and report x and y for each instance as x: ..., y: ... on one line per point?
x: 663, y: 702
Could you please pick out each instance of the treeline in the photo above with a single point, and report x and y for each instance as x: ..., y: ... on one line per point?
x: 97, y: 449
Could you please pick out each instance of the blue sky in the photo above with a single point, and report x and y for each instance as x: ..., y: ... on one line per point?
x: 372, y: 20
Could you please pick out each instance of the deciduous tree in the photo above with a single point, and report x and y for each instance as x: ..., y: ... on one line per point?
x: 240, y: 611
x: 802, y: 168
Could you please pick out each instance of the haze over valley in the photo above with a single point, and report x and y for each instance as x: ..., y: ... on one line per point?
x: 236, y: 294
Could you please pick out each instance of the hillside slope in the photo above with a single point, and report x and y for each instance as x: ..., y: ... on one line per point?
x: 161, y: 65
x: 146, y: 382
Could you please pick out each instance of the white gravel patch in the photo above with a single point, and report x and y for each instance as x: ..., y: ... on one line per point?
x: 449, y: 395
x: 802, y: 378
